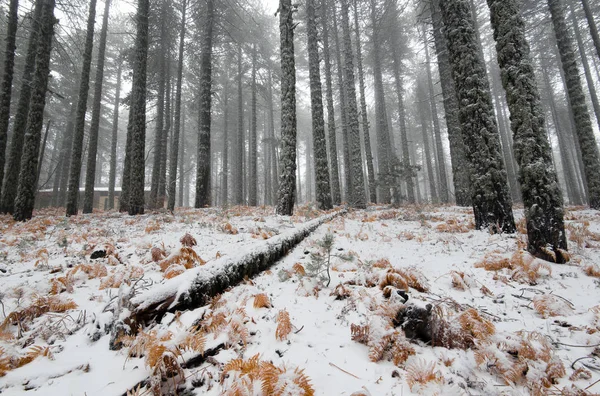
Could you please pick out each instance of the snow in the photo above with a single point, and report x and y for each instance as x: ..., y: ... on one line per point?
x: 320, y: 341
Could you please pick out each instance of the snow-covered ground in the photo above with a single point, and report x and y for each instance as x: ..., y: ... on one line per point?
x: 499, y: 321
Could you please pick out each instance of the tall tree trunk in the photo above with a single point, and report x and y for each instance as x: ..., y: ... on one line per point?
x: 372, y: 190
x: 323, y: 189
x: 439, y: 148
x: 25, y: 200
x: 225, y: 156
x: 42, y: 152
x: 539, y: 184
x: 583, y: 124
x: 287, y: 184
x: 592, y: 24
x: 238, y: 177
x: 112, y: 174
x: 457, y: 149
x: 586, y: 65
x: 90, y: 176
x: 252, y: 139
x: 138, y: 110
x: 336, y: 197
x: 65, y: 152
x: 358, y: 182
x: 84, y: 85
x: 182, y: 171
x: 492, y: 204
x: 13, y: 165
x: 7, y: 78
x: 203, y: 165
x: 273, y: 143
x: 162, y: 174
x: 343, y: 108
x: 422, y: 98
x: 175, y: 145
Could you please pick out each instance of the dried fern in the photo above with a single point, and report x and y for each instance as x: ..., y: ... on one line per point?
x: 188, y: 240
x: 550, y: 305
x: 284, y: 326
x: 261, y: 300
x: 419, y: 372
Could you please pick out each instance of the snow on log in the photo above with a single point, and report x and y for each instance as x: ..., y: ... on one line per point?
x: 196, y: 287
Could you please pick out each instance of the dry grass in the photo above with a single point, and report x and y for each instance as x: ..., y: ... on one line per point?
x: 592, y: 270
x: 8, y: 362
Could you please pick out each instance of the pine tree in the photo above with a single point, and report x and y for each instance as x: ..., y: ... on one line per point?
x: 252, y: 139
x: 25, y: 199
x: 6, y: 93
x: 112, y: 173
x: 425, y: 123
x: 287, y: 185
x: 489, y: 187
x: 90, y: 176
x: 539, y: 184
x: 77, y: 147
x: 592, y: 24
x: 13, y: 163
x: 331, y: 132
x: 238, y: 177
x: 173, y: 157
x: 583, y: 123
x: 137, y: 121
x: 316, y: 99
x: 203, y: 163
x: 358, y: 199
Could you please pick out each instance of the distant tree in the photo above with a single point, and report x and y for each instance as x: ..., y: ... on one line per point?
x: 25, y: 199
x: 112, y: 173
x: 77, y: 147
x: 287, y: 184
x: 490, y: 194
x: 252, y: 138
x: 13, y: 165
x: 592, y: 24
x: 583, y: 123
x: 539, y: 184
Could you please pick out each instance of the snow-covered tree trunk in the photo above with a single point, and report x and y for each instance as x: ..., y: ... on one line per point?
x: 203, y: 162
x: 583, y: 123
x: 358, y: 198
x: 175, y: 145
x: 372, y: 186
x: 460, y: 172
x: 25, y: 199
x: 13, y: 163
x: 90, y: 170
x: 490, y: 195
x: 137, y: 121
x: 539, y: 184
x: 323, y: 189
x: 252, y: 139
x: 7, y: 78
x: 112, y: 173
x: 84, y: 85
x: 287, y: 180
x: 331, y: 131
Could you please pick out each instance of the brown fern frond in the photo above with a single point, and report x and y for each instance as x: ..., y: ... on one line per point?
x: 493, y: 262
x: 473, y: 324
x: 298, y: 269
x: 157, y: 254
x: 420, y: 372
x: 174, y: 270
x: 261, y: 300
x: 414, y: 278
x: 188, y: 240
x: 341, y: 292
x: 284, y: 326
x: 550, y: 305
x: 458, y: 280
x: 360, y: 334
x: 555, y: 370
x: 401, y: 349
x: 378, y: 348
x: 592, y: 270
x: 382, y: 263
x: 33, y: 353
x: 393, y: 279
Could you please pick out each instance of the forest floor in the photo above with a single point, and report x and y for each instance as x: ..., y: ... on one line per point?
x: 482, y: 317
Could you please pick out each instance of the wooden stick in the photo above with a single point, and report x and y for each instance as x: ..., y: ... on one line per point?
x: 341, y: 369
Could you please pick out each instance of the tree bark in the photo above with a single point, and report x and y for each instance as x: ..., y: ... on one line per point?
x: 238, y: 177
x: 583, y: 124
x: 592, y: 24
x: 539, y: 184
x: 77, y: 147
x: 490, y: 195
x: 162, y: 174
x: 422, y: 98
x: 287, y: 184
x: 90, y: 176
x: 252, y: 139
x: 25, y: 200
x: 112, y: 175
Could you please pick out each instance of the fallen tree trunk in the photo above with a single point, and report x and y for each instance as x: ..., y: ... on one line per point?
x: 196, y: 287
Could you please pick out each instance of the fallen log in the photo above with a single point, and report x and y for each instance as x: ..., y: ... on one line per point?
x: 194, y: 288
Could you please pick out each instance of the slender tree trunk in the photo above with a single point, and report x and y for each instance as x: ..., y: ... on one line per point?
x: 138, y: 110
x: 583, y: 124
x: 90, y: 176
x: 541, y: 194
x: 182, y: 171
x: 112, y: 175
x: 323, y: 189
x: 42, y: 152
x: 441, y: 162
x: 422, y: 98
x: 273, y: 143
x: 162, y: 174
x: 203, y: 165
x: 287, y: 185
x: 238, y: 177
x: 592, y: 24
x: 225, y: 156
x: 372, y: 190
x: 77, y: 148
x: 13, y: 164
x: 175, y: 145
x: 331, y: 131
x: 489, y: 188
x: 6, y: 93
x: 25, y: 200
x: 252, y: 139
x: 358, y: 182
